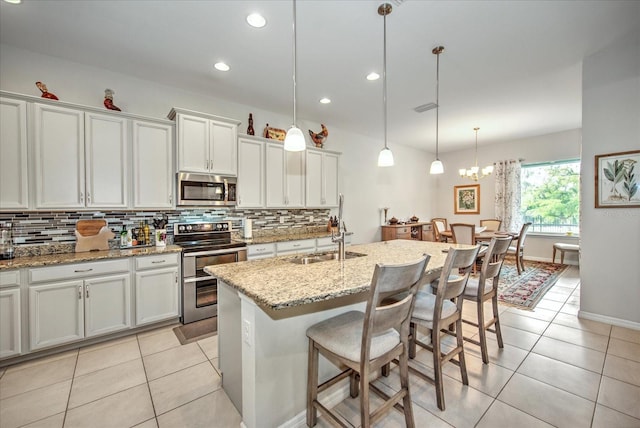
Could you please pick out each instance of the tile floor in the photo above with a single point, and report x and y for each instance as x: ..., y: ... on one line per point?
x: 555, y: 370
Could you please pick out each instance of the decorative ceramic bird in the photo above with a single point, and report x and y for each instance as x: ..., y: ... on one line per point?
x: 108, y: 100
x: 319, y: 138
x: 45, y: 92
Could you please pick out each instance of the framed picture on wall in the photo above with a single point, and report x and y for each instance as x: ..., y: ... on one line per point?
x: 617, y: 180
x: 466, y: 199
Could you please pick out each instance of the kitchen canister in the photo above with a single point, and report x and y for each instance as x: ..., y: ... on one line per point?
x: 247, y: 230
x: 161, y: 237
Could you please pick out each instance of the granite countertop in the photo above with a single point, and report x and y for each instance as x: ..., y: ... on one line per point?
x: 277, y: 283
x: 280, y: 237
x: 88, y: 256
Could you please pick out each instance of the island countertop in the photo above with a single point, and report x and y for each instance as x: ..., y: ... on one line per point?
x: 277, y: 283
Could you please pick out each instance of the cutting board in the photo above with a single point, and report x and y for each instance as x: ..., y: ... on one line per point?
x: 92, y: 235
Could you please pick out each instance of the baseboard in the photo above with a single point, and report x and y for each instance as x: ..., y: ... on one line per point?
x: 548, y: 260
x: 609, y: 320
x: 330, y: 400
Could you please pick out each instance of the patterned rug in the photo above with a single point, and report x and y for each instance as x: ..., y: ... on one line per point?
x: 525, y: 291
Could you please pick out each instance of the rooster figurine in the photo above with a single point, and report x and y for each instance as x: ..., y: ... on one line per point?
x: 319, y: 138
x: 108, y: 100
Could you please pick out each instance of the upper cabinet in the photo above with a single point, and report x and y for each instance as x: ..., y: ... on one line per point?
x: 205, y: 143
x: 250, y: 173
x: 153, y: 177
x: 14, y: 183
x: 322, y: 179
x: 285, y: 177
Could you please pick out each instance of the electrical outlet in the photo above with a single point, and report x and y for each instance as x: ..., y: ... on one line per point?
x: 281, y: 219
x: 310, y: 219
x: 246, y: 332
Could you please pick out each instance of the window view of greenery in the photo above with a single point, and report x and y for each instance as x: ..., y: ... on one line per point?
x: 551, y: 197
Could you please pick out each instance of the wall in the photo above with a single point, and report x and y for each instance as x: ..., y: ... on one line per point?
x: 543, y: 148
x: 406, y: 188
x: 610, y: 289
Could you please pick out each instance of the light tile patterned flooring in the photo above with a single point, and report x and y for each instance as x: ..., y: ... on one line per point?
x: 555, y: 370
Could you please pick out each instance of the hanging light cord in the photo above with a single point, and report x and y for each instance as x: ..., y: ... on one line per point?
x: 384, y: 79
x: 437, y: 98
x: 476, y: 129
x: 294, y: 64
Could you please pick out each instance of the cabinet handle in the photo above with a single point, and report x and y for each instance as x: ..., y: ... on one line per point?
x: 87, y: 291
x: 82, y: 270
x: 79, y: 292
x: 206, y: 164
x: 176, y: 278
x: 170, y: 199
x: 296, y: 245
x: 82, y: 197
x: 155, y: 262
x: 89, y: 197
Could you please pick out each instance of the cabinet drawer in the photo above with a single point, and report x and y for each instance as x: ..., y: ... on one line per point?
x: 9, y: 278
x: 403, y: 235
x: 325, y: 242
x: 301, y: 245
x: 261, y: 250
x: 158, y: 261
x: 78, y: 270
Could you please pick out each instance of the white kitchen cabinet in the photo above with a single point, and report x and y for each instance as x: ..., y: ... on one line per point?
x: 261, y: 251
x: 205, y: 143
x: 251, y: 176
x: 157, y: 288
x: 322, y: 179
x: 285, y: 177
x: 14, y: 182
x: 10, y: 317
x: 59, y: 157
x: 71, y: 302
x: 106, y: 160
x: 153, y: 171
x: 301, y: 246
x: 80, y: 158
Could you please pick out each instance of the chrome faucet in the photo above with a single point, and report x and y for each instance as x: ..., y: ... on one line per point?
x: 342, y: 230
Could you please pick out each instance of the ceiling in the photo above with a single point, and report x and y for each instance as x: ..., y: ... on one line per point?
x: 512, y: 68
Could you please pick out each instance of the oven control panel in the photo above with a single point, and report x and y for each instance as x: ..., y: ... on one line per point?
x: 188, y: 228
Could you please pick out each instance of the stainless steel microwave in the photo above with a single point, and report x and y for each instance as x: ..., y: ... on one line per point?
x: 206, y: 190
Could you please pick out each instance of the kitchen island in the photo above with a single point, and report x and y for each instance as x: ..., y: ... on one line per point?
x: 264, y: 309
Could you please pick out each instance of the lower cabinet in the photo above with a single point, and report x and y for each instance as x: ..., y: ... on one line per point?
x: 66, y: 311
x: 157, y: 288
x: 10, y: 332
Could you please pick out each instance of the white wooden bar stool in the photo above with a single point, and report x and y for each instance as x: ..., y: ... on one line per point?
x: 361, y: 343
x: 559, y: 246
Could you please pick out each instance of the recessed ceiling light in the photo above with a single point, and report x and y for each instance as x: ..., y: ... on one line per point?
x: 221, y: 66
x: 13, y: 1
x: 325, y: 100
x: 373, y: 76
x: 256, y: 20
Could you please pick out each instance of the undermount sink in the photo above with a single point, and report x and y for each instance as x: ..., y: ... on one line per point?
x: 316, y: 258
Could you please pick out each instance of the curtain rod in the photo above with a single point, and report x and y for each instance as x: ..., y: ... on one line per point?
x: 510, y: 161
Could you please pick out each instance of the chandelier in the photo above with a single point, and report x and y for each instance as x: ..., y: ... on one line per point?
x: 474, y: 173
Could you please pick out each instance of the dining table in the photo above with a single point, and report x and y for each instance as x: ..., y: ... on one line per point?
x: 485, y: 235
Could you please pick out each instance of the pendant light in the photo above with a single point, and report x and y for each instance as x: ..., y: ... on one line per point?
x: 385, y: 158
x: 294, y: 140
x: 436, y: 165
x: 474, y: 172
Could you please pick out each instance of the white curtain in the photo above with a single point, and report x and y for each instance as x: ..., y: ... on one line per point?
x: 507, y: 176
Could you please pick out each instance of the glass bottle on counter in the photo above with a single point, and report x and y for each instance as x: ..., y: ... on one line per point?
x: 145, y: 230
x: 124, y: 236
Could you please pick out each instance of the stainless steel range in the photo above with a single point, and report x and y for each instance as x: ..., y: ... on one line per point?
x: 204, y: 244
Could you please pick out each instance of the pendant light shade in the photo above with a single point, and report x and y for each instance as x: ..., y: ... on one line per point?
x: 436, y: 166
x: 294, y: 140
x: 385, y: 158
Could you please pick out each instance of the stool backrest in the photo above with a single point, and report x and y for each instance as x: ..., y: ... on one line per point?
x: 391, y: 299
x: 492, y: 262
x: 455, y: 274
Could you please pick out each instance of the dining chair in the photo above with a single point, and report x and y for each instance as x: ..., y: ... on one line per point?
x: 485, y: 288
x: 437, y: 312
x: 491, y: 224
x: 439, y: 225
x: 518, y: 248
x: 361, y: 343
x: 464, y: 233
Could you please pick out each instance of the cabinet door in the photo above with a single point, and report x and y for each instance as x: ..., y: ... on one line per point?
x: 250, y: 174
x: 106, y: 145
x: 13, y: 154
x: 330, y: 167
x: 157, y: 295
x: 10, y: 332
x: 314, y: 179
x: 107, y: 304
x: 295, y: 179
x: 193, y: 144
x: 59, y: 157
x: 56, y: 313
x: 224, y: 148
x: 275, y: 175
x: 153, y: 174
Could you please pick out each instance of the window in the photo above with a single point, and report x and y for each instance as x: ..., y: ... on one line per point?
x: 551, y: 196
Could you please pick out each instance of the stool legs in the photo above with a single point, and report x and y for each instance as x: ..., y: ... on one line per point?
x: 554, y: 255
x: 312, y: 385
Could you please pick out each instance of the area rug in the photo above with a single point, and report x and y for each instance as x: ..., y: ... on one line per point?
x: 525, y: 291
x: 195, y: 331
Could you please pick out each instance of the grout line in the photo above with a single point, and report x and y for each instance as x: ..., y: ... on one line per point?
x: 144, y: 367
x: 73, y: 377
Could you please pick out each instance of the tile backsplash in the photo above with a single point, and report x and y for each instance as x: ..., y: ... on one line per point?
x: 56, y: 228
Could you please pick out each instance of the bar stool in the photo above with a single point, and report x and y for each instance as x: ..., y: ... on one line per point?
x: 361, y: 343
x: 485, y: 288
